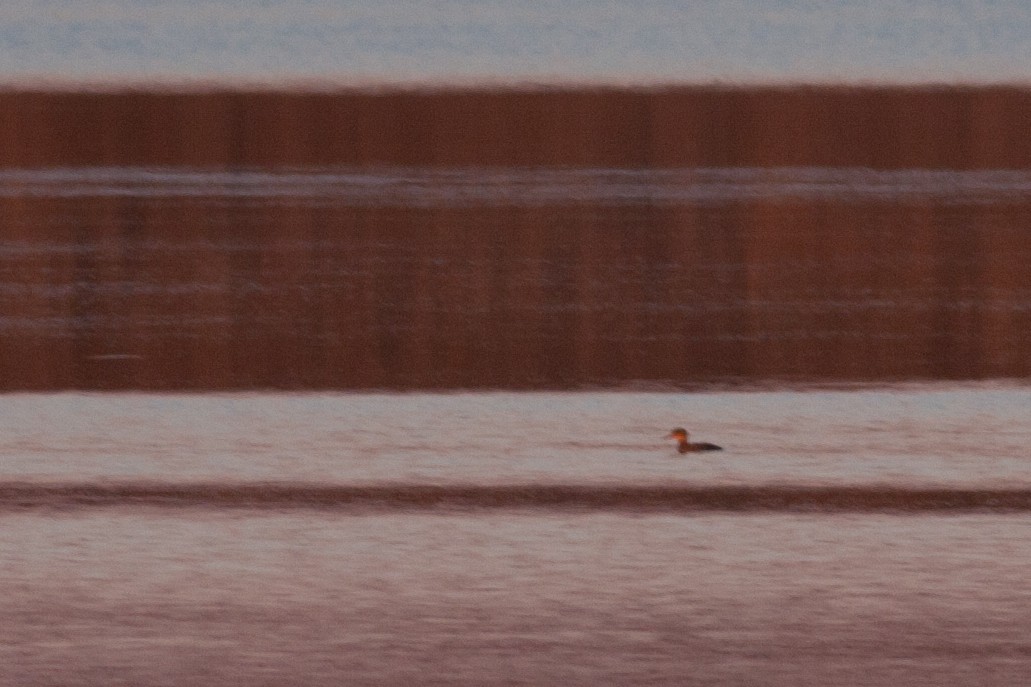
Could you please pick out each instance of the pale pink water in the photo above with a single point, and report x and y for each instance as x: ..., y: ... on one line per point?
x: 168, y: 595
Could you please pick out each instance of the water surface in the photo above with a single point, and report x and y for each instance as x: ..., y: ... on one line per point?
x: 843, y: 306
x: 288, y: 591
x: 473, y: 277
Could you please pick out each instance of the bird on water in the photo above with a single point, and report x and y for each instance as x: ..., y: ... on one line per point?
x: 685, y: 446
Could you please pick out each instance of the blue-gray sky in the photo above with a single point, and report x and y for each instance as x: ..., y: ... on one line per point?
x: 460, y: 41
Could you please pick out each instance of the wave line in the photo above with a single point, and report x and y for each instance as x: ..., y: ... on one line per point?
x: 548, y: 497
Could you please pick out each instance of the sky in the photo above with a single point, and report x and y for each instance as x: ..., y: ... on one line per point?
x: 498, y: 41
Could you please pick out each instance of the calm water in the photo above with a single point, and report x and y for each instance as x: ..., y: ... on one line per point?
x: 177, y: 590
x: 931, y: 435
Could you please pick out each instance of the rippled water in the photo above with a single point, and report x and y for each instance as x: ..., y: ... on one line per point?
x: 140, y: 597
x: 184, y: 539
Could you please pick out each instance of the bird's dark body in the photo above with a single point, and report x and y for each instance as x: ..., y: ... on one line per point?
x: 693, y: 448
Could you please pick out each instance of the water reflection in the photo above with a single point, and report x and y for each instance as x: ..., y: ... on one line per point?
x: 141, y: 279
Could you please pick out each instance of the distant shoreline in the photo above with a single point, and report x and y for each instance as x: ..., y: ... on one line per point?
x: 114, y: 277
x: 876, y: 126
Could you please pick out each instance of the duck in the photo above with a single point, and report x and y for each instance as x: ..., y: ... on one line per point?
x: 685, y: 446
